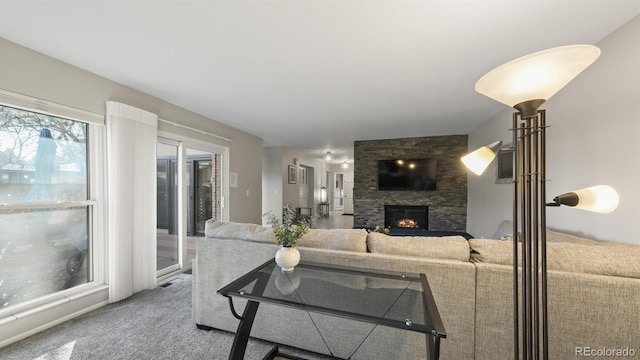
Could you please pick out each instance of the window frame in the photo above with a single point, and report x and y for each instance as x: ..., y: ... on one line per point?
x: 95, y: 203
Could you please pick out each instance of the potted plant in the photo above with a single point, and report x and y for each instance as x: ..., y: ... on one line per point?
x: 287, y: 233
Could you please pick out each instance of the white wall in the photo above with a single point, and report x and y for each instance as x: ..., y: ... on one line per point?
x: 482, y: 191
x: 593, y: 139
x: 25, y: 71
x: 272, y: 181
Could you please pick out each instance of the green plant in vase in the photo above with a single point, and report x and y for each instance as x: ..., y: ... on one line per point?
x: 287, y: 233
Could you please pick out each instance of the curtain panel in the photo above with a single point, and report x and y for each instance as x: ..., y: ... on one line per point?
x: 131, y: 167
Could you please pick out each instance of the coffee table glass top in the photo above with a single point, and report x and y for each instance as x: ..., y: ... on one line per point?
x: 380, y: 297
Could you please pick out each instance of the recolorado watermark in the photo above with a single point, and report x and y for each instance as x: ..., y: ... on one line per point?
x: 586, y: 351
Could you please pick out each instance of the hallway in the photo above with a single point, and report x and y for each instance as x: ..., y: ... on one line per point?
x: 334, y: 221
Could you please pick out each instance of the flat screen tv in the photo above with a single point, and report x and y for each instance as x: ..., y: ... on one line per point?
x: 407, y: 174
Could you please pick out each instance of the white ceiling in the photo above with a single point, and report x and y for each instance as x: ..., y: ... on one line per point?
x: 312, y: 74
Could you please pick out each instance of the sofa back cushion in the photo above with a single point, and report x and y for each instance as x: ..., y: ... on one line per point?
x: 335, y: 239
x: 238, y: 231
x: 554, y: 236
x: 443, y: 247
x: 612, y: 259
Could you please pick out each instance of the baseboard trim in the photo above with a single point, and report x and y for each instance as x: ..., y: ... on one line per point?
x: 22, y: 325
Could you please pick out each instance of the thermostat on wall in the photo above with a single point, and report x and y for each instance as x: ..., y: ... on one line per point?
x: 233, y: 179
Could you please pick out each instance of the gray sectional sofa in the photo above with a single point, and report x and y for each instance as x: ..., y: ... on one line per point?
x: 594, y: 292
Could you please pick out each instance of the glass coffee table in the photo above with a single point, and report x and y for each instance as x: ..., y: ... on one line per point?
x: 396, y: 300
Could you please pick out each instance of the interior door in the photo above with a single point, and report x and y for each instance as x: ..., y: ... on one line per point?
x: 338, y: 192
x: 348, y: 193
x: 303, y: 187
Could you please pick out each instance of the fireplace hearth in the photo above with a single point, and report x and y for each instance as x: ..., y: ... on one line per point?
x: 406, y: 217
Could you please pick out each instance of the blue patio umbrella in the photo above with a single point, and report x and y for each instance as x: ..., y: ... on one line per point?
x: 45, y: 166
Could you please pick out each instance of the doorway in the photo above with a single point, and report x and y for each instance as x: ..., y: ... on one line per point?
x: 343, y: 192
x: 305, y: 187
x: 190, y: 191
x: 167, y: 238
x: 348, y: 194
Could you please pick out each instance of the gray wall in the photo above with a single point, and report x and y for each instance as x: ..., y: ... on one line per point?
x: 27, y: 72
x: 447, y: 204
x: 592, y: 140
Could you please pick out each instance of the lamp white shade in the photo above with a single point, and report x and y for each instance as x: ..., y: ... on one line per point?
x: 601, y: 198
x: 478, y: 160
x: 536, y: 76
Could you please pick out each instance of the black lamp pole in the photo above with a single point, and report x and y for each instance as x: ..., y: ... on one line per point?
x: 530, y: 302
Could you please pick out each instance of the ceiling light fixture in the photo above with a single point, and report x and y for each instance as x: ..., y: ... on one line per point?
x: 328, y: 156
x: 525, y: 84
x: 345, y: 165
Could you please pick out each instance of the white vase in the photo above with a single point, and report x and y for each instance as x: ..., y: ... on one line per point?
x: 287, y: 258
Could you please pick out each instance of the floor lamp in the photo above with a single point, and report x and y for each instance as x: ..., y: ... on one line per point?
x: 525, y: 84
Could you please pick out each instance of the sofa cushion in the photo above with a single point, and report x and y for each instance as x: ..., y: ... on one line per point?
x: 554, y: 236
x: 505, y: 231
x: 492, y: 251
x: 612, y: 259
x: 443, y: 247
x: 336, y: 239
x: 239, y: 231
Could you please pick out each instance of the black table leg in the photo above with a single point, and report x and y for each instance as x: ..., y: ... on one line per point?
x: 244, y: 329
x: 433, y: 347
x: 246, y: 322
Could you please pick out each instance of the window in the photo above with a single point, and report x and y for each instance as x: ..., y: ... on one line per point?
x: 46, y: 220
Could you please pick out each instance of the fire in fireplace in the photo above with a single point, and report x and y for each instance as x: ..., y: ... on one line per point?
x: 408, y: 223
x: 406, y: 217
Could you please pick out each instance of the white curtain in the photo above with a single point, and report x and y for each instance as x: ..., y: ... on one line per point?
x: 131, y: 153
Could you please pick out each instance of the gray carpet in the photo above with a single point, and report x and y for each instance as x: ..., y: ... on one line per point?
x: 152, y: 324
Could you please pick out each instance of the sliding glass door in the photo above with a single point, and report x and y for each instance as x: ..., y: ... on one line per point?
x: 168, y: 239
x: 190, y: 192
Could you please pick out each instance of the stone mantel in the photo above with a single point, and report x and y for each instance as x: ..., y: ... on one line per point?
x: 447, y: 204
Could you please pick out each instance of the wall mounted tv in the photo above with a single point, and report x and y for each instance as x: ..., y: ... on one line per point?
x: 407, y: 174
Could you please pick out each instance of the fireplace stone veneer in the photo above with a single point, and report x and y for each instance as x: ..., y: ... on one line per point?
x: 447, y: 203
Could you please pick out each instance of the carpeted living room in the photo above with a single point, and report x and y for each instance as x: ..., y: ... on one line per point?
x: 313, y: 180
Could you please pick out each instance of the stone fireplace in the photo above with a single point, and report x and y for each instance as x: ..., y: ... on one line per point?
x: 406, y: 217
x: 447, y: 204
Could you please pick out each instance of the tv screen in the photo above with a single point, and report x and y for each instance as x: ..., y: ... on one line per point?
x: 410, y: 174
